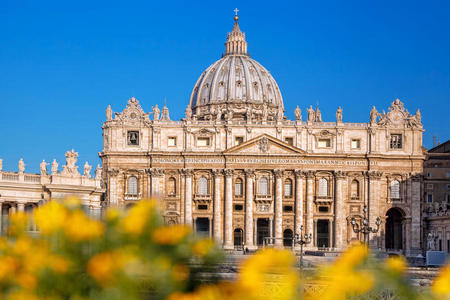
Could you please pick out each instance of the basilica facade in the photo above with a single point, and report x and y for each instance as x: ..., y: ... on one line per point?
x: 236, y: 169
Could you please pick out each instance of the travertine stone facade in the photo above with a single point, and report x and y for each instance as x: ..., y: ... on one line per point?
x: 436, y: 201
x: 21, y: 191
x: 238, y: 170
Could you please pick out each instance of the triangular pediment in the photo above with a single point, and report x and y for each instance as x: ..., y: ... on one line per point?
x: 264, y: 145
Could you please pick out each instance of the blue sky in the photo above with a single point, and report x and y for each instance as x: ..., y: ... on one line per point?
x: 63, y: 62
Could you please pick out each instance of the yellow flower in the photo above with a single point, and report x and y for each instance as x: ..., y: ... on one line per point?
x: 441, y: 285
x: 180, y: 272
x: 21, y: 295
x: 342, y: 277
x: 270, y: 274
x: 104, y: 266
x: 139, y: 216
x: 8, y: 266
x: 170, y: 235
x: 19, y: 221
x: 80, y: 228
x: 396, y: 264
x: 202, y: 247
x: 58, y: 264
x: 50, y: 217
x: 112, y: 214
x: 26, y: 280
x: 72, y: 202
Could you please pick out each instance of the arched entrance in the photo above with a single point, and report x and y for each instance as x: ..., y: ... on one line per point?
x: 394, y: 229
x: 202, y: 226
x: 287, y: 238
x: 262, y: 230
x: 238, y: 238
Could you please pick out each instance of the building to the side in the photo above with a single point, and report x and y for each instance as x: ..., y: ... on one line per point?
x: 437, y: 196
x: 21, y: 191
x: 237, y: 169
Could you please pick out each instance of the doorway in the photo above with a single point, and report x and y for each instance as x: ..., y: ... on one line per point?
x: 238, y: 237
x: 262, y: 230
x: 323, y: 233
x: 394, y: 229
x: 288, y: 238
x: 202, y: 226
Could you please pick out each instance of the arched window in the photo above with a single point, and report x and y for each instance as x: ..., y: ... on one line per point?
x: 132, y: 185
x: 263, y: 186
x: 355, y: 189
x: 323, y: 187
x: 395, y: 189
x: 288, y: 188
x: 203, y: 186
x: 172, y: 186
x: 238, y: 187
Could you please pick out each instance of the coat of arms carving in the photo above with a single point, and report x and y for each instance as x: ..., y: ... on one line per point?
x: 264, y: 145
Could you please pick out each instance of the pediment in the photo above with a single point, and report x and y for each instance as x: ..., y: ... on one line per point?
x: 264, y: 145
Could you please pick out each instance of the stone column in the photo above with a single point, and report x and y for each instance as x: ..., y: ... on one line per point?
x: 188, y: 196
x: 228, y: 240
x: 217, y: 205
x: 278, y: 207
x: 156, y: 174
x: 374, y: 206
x: 1, y: 217
x: 415, y: 227
x: 249, y: 209
x: 270, y: 227
x: 310, y: 204
x: 299, y: 175
x: 20, y: 207
x: 113, y: 188
x: 340, y: 223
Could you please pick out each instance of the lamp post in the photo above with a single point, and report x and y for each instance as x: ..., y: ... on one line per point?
x: 302, y: 240
x: 365, y: 229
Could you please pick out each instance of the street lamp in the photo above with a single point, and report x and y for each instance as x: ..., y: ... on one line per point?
x: 365, y: 229
x: 302, y: 240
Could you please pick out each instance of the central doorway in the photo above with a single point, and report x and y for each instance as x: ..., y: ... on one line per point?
x: 323, y: 233
x: 202, y: 226
x: 262, y: 231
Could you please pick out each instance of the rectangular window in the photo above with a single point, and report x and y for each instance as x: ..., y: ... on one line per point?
x: 448, y: 198
x: 323, y: 208
x: 203, y: 141
x: 430, y: 175
x: 324, y: 143
x: 356, y: 144
x: 238, y: 207
x: 287, y: 208
x: 447, y: 175
x: 238, y: 140
x: 133, y: 138
x: 448, y: 186
x: 429, y: 186
x: 429, y: 198
x: 202, y: 207
x: 171, y: 141
x: 289, y: 140
x: 396, y: 141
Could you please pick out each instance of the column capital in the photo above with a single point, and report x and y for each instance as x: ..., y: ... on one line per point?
x: 187, y: 172
x: 229, y: 172
x: 299, y: 173
x: 249, y: 172
x: 278, y: 172
x: 113, y: 172
x: 374, y: 174
x: 310, y: 174
x: 340, y: 174
x: 155, y: 172
x: 217, y: 172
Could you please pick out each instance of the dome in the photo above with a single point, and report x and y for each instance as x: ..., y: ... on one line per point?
x: 236, y: 85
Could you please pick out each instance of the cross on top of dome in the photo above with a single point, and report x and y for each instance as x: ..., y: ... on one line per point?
x: 236, y: 43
